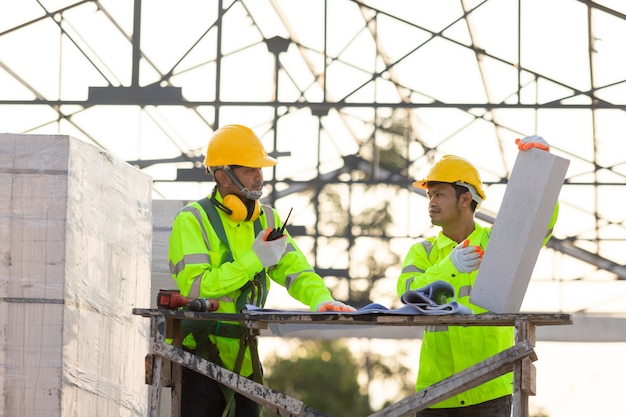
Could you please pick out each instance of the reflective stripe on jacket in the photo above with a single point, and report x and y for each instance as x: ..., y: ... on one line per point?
x: 447, y: 350
x: 197, y: 259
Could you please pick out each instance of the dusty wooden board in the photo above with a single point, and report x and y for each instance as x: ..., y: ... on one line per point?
x: 380, y: 319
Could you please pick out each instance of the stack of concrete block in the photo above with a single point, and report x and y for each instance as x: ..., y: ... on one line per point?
x: 164, y: 212
x: 75, y: 249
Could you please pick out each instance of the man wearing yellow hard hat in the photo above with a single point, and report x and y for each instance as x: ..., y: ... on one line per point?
x: 220, y: 247
x: 455, y: 190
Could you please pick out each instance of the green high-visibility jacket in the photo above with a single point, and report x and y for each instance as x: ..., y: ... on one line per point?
x: 447, y: 350
x: 198, y: 264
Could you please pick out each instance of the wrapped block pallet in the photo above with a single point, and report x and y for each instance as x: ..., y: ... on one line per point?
x: 163, y: 214
x: 75, y: 248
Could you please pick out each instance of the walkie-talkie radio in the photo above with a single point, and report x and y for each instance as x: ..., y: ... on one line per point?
x: 276, y: 233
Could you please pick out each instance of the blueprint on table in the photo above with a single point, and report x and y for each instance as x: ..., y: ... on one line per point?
x: 428, y: 300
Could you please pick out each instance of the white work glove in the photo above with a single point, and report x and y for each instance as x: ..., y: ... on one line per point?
x: 334, y: 306
x: 269, y: 252
x: 532, y: 142
x: 466, y: 258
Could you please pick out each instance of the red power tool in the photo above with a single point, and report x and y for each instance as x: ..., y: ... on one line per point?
x: 172, y: 300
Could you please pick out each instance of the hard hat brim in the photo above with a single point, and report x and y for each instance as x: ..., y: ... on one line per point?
x: 423, y: 184
x: 266, y: 161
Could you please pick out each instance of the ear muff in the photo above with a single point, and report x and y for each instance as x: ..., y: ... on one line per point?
x: 237, y: 210
x: 241, y: 211
x: 254, y: 210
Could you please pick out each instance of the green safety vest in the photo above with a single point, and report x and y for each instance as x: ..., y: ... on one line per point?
x: 210, y: 256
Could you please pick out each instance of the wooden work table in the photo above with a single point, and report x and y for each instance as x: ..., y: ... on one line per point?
x: 519, y: 358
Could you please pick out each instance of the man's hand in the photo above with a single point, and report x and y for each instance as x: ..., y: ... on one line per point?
x: 334, y: 306
x: 532, y: 142
x: 466, y: 258
x: 269, y: 252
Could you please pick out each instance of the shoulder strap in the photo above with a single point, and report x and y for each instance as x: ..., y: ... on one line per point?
x: 216, y: 222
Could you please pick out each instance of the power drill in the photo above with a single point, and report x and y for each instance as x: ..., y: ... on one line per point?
x: 276, y: 233
x: 172, y: 300
x: 203, y: 304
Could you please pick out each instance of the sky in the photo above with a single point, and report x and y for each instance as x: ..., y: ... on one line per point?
x: 554, y: 47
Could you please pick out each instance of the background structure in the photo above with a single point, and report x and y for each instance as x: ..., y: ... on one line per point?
x: 356, y: 99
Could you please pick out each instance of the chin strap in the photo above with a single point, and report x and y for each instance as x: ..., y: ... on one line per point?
x: 252, y: 195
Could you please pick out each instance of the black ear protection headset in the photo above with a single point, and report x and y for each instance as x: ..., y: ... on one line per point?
x: 236, y: 209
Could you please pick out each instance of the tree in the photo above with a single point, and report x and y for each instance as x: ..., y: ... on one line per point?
x: 328, y: 377
x: 323, y: 375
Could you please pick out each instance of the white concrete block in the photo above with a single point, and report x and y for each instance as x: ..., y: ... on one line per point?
x: 518, y: 231
x: 164, y: 212
x: 75, y: 246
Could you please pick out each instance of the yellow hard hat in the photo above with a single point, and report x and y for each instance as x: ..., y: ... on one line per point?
x: 456, y: 170
x: 236, y: 145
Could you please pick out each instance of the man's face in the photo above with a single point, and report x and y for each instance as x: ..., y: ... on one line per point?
x: 443, y: 207
x: 251, y: 178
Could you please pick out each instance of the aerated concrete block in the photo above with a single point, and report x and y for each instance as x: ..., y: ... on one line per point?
x: 519, y: 231
x: 164, y: 212
x: 75, y: 246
